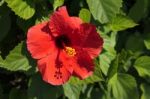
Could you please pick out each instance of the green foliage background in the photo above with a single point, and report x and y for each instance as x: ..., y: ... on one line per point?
x: 122, y: 69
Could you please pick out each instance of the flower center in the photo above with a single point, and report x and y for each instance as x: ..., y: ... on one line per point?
x: 70, y: 51
x: 62, y: 41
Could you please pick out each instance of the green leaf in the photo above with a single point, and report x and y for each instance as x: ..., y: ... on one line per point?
x: 38, y: 89
x: 23, y: 8
x: 85, y: 15
x: 142, y: 65
x: 105, y: 61
x: 15, y: 61
x: 113, y: 68
x: 17, y: 94
x: 92, y: 79
x: 109, y: 52
x: 72, y: 91
x: 147, y: 40
x: 135, y: 47
x: 5, y: 22
x: 121, y: 22
x: 1, y: 2
x: 145, y: 91
x: 104, y: 10
x: 139, y: 10
x: 126, y: 58
x: 57, y: 3
x: 123, y: 86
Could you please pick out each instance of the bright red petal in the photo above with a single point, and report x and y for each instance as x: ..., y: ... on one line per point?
x: 62, y: 23
x: 85, y: 65
x: 91, y: 40
x: 39, y: 41
x: 56, y: 68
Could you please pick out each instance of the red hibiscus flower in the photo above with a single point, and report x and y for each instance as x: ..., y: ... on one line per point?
x: 64, y: 46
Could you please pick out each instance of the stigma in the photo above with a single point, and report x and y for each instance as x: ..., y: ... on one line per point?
x: 70, y: 51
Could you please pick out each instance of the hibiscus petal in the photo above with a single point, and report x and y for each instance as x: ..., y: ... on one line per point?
x: 62, y: 23
x: 59, y: 21
x: 85, y: 65
x: 56, y: 68
x: 91, y: 40
x: 39, y: 41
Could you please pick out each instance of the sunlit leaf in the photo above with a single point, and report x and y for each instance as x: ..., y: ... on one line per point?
x: 57, y: 3
x: 23, y: 8
x: 123, y: 86
x: 104, y: 10
x: 85, y: 15
x: 142, y: 65
x: 121, y: 22
x: 72, y: 91
x: 15, y: 61
x: 109, y: 52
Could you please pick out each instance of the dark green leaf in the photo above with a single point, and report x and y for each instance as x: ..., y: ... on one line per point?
x: 135, y: 47
x: 145, y: 91
x: 139, y: 10
x: 38, y: 89
x: 17, y: 94
x: 5, y: 22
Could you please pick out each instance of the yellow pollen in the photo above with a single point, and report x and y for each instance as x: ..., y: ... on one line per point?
x: 70, y: 51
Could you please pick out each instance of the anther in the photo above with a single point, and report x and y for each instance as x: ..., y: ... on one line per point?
x: 70, y: 51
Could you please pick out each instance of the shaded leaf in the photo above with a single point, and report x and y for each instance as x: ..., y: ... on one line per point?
x: 135, y: 47
x: 145, y: 91
x: 17, y: 94
x: 5, y: 22
x: 38, y: 89
x: 139, y: 10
